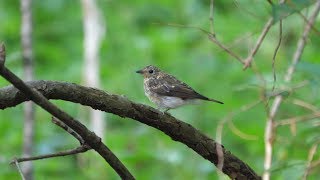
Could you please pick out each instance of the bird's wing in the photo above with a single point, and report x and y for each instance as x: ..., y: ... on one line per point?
x: 170, y: 86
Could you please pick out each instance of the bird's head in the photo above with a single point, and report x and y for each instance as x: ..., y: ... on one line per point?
x: 149, y: 71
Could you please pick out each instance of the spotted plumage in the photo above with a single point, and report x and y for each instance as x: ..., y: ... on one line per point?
x: 166, y: 91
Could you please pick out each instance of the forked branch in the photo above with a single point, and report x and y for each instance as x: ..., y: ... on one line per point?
x: 89, y: 137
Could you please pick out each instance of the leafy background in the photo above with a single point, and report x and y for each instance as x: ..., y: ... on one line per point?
x: 135, y: 39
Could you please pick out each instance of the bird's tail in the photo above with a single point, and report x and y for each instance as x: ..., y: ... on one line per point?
x: 208, y: 99
x: 213, y: 100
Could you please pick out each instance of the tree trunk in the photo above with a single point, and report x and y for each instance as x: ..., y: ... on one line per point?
x: 94, y: 30
x: 26, y: 41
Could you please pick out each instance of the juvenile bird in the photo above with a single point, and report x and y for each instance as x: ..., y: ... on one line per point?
x: 166, y: 91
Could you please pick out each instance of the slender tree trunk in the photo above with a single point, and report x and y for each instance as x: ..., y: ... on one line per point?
x: 94, y: 30
x: 26, y: 41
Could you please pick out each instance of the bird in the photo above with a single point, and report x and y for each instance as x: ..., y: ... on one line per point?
x: 166, y: 91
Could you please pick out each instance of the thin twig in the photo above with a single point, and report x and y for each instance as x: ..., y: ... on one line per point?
x: 270, y: 2
x: 304, y: 18
x: 210, y: 36
x: 211, y: 16
x: 260, y: 76
x: 19, y: 169
x: 274, y: 56
x: 305, y: 105
x: 66, y: 128
x: 80, y: 149
x: 226, y: 49
x: 220, y: 158
x: 241, y: 134
x: 237, y: 41
x: 302, y: 42
x: 314, y: 164
x: 89, y: 137
x: 311, y: 154
x: 269, y: 131
x: 269, y: 137
x: 233, y: 128
x: 258, y: 44
x: 288, y: 89
x: 312, y: 26
x: 263, y: 88
x: 185, y: 26
x: 218, y: 149
x: 244, y: 9
x: 298, y: 119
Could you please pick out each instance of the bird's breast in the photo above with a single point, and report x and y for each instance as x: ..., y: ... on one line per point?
x: 151, y: 95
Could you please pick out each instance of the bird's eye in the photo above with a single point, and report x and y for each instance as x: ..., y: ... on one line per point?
x: 150, y: 71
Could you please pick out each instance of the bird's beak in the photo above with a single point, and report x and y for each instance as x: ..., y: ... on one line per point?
x: 139, y: 71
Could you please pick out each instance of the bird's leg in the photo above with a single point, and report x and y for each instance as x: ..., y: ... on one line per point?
x: 166, y: 110
x: 163, y: 110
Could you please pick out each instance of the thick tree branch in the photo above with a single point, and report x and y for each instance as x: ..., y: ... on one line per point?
x: 89, y: 137
x: 119, y: 105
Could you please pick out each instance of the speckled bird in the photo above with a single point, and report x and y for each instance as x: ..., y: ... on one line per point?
x: 166, y: 91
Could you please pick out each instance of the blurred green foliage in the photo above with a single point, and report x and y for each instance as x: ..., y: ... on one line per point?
x: 135, y: 39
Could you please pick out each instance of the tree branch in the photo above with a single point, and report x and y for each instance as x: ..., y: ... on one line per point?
x: 226, y: 49
x: 211, y: 15
x: 297, y: 119
x: 81, y: 149
x: 121, y: 106
x: 311, y: 155
x: 19, y: 169
x: 302, y: 42
x: 258, y: 43
x: 66, y: 128
x: 89, y: 137
x: 77, y: 150
x: 274, y: 56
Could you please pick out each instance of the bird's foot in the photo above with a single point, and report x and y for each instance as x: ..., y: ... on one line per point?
x: 166, y: 111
